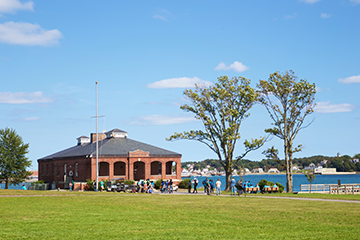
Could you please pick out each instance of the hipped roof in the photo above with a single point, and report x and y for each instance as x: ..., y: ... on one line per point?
x: 110, y: 147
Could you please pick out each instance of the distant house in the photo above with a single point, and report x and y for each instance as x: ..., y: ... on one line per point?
x: 295, y: 168
x: 310, y: 167
x: 273, y: 170
x: 118, y: 157
x: 355, y: 160
x: 257, y: 170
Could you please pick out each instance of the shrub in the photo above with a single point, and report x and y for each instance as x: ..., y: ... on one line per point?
x: 90, y: 184
x: 184, y: 183
x: 157, y: 184
x: 129, y: 182
x: 262, y: 183
x: 281, y: 187
x: 39, y: 182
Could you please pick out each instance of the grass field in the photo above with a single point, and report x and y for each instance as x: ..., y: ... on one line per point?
x: 76, y: 215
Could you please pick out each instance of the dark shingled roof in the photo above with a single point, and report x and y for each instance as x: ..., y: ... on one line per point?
x: 114, y: 147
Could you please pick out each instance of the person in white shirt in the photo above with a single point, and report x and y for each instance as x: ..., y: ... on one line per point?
x: 218, y: 185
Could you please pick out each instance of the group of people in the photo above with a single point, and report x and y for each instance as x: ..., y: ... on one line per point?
x: 146, y: 186
x: 208, y: 184
x: 101, y: 183
x: 167, y: 186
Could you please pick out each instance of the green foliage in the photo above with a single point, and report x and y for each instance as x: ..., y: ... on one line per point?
x: 184, y: 183
x: 310, y: 176
x: 157, y: 184
x: 90, y: 184
x: 13, y: 160
x: 262, y: 183
x: 288, y: 102
x: 38, y: 182
x: 281, y: 187
x: 221, y: 107
x: 129, y: 182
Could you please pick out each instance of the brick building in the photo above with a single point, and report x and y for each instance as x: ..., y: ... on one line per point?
x: 118, y: 157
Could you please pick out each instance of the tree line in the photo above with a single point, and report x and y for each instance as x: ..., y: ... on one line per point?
x: 342, y: 164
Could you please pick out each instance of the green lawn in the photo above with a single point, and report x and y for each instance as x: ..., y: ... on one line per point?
x: 92, y: 215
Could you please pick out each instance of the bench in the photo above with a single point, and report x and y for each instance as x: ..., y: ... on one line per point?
x: 271, y: 189
x: 252, y: 189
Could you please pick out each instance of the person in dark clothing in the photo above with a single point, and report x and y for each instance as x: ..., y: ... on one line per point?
x: 189, y: 186
x: 204, y: 184
x: 195, y: 185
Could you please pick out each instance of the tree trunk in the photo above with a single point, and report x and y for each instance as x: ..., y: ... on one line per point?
x: 290, y: 168
x: 287, y: 166
x: 228, y: 179
x: 6, y: 184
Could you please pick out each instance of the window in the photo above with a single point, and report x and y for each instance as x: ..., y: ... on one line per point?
x: 42, y: 169
x: 58, y: 170
x: 65, y: 173
x: 52, y: 169
x: 47, y: 169
x: 76, y: 169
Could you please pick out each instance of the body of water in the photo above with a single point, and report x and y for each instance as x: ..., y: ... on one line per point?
x: 298, y: 179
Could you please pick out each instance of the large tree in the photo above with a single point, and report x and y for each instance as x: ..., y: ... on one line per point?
x: 221, y: 107
x: 13, y: 162
x: 288, y: 102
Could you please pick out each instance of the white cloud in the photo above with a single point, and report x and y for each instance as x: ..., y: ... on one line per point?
x: 162, y: 14
x: 325, y: 15
x: 11, y: 6
x: 159, y: 17
x: 236, y: 66
x: 28, y: 34
x: 326, y: 107
x: 310, y: 1
x: 23, y: 97
x: 27, y: 119
x: 352, y: 79
x: 292, y: 16
x: 161, y: 120
x: 355, y: 1
x: 183, y: 82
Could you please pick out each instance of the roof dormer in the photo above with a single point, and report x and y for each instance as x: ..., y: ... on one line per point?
x: 83, y: 140
x: 116, y: 133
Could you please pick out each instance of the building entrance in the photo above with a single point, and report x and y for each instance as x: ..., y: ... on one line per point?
x: 139, y: 171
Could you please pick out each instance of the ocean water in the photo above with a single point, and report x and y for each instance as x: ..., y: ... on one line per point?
x: 281, y: 178
x: 298, y: 179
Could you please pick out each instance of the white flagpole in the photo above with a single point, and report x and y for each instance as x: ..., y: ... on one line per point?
x: 97, y: 141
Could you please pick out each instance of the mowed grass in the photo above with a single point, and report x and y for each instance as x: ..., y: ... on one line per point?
x: 144, y: 216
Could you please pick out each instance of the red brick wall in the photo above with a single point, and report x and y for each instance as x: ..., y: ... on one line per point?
x: 87, y: 168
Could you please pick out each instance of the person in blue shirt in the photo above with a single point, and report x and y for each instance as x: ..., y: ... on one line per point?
x: 23, y: 187
x: 232, y: 185
x: 275, y: 185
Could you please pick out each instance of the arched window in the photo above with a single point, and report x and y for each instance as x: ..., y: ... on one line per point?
x: 119, y: 169
x: 103, y: 169
x: 156, y: 168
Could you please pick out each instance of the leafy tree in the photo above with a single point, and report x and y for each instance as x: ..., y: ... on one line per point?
x: 221, y: 108
x: 288, y: 103
x: 13, y: 163
x: 310, y: 177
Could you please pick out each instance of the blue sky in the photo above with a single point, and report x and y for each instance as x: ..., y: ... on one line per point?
x: 145, y: 53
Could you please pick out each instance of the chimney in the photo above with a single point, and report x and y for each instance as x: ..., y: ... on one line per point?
x: 101, y: 136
